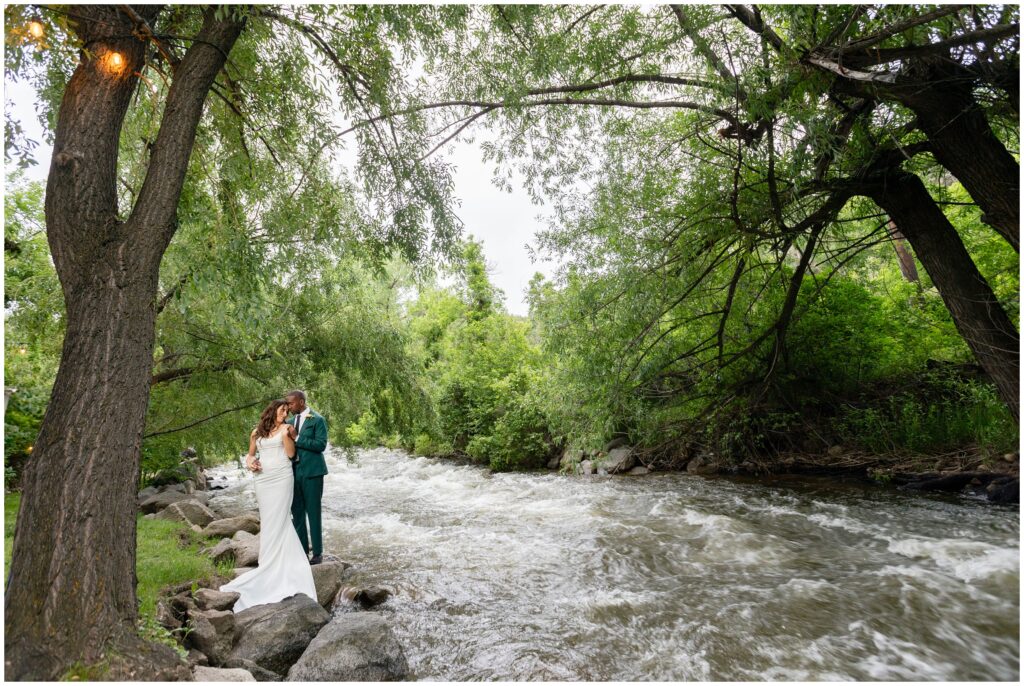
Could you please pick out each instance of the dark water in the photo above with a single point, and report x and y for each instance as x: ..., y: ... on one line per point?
x: 675, y: 577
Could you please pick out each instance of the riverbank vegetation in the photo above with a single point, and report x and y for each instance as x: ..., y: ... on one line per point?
x: 784, y: 234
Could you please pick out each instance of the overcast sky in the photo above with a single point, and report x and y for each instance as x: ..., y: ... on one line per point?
x: 505, y: 223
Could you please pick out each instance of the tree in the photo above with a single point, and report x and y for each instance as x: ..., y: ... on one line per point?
x: 71, y: 592
x: 759, y: 94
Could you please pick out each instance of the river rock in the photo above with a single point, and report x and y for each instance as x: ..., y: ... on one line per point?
x: 638, y: 471
x: 355, y: 646
x: 239, y: 571
x: 219, y: 674
x: 1006, y: 492
x: 618, y: 460
x: 366, y: 597
x: 246, y: 550
x: 700, y: 465
x: 554, y: 462
x: 209, y: 599
x: 197, y: 659
x: 254, y: 669
x: 165, y: 616
x: 192, y: 512
x: 835, y: 451
x: 147, y: 493
x: 276, y: 634
x: 327, y: 576
x: 587, y: 467
x: 249, y: 522
x: 224, y: 550
x: 570, y: 458
x: 213, y: 633
x: 162, y: 500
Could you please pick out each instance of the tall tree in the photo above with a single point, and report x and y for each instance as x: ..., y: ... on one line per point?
x: 71, y: 592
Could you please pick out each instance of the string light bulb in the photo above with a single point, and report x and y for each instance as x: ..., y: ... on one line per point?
x: 115, y: 62
x: 36, y: 29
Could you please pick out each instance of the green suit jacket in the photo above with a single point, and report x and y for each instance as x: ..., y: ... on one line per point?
x: 310, y: 445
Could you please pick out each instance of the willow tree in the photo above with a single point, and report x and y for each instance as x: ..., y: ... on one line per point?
x: 777, y: 120
x: 71, y: 592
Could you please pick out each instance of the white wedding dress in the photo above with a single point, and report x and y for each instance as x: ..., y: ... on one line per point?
x: 283, y: 567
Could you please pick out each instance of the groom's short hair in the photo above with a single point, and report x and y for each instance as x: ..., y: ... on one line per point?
x: 296, y: 393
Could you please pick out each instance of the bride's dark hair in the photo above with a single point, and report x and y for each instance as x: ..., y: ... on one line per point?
x: 269, y: 418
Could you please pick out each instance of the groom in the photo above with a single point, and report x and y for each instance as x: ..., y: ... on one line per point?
x: 309, y: 431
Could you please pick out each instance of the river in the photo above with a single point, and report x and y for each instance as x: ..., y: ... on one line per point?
x: 673, y: 577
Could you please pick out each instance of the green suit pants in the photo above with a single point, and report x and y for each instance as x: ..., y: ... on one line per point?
x: 306, y: 499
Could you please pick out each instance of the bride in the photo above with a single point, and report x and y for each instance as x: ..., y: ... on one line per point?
x: 283, y: 568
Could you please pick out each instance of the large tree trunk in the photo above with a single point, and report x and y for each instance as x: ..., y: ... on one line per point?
x: 942, y: 97
x: 978, y: 316
x: 71, y: 590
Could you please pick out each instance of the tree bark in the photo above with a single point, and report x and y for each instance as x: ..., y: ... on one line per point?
x: 976, y: 312
x: 906, y: 260
x: 71, y: 589
x: 941, y: 94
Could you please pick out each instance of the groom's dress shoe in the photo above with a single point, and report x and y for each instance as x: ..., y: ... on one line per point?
x: 316, y: 559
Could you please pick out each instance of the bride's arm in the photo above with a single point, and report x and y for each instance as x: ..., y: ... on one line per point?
x: 289, y: 445
x: 250, y: 459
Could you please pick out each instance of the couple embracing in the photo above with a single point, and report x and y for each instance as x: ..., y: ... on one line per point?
x: 287, y: 458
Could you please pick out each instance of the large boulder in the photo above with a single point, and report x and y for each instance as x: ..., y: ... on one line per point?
x: 201, y: 673
x: 355, y: 646
x: 213, y: 633
x: 209, y: 599
x: 147, y: 493
x: 192, y: 512
x: 328, y: 577
x: 162, y: 500
x: 276, y: 634
x: 248, y: 522
x: 618, y: 460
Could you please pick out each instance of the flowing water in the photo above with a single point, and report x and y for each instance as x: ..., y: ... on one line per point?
x: 673, y: 577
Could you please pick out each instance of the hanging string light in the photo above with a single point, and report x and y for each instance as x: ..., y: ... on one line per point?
x: 36, y: 29
x: 114, y: 62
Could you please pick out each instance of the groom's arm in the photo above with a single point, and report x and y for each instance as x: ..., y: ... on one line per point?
x: 317, y: 442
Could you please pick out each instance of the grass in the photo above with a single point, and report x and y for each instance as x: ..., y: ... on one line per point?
x: 167, y: 553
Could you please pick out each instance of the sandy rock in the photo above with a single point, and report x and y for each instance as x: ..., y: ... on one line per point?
x: 247, y: 551
x: 224, y: 550
x: 165, y: 616
x: 248, y: 522
x: 700, y: 465
x: 618, y: 460
x: 162, y: 500
x: 192, y: 512
x: 216, y: 674
x: 328, y: 576
x: 239, y: 571
x: 275, y: 635
x: 209, y: 599
x: 366, y: 597
x: 213, y: 633
x: 570, y: 458
x: 355, y: 646
x: 197, y: 659
x: 254, y: 669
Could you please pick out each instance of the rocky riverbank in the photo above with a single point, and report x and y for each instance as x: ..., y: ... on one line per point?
x: 997, y: 480
x: 334, y: 637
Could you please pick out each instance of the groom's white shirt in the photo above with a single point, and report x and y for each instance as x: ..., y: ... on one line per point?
x: 300, y: 419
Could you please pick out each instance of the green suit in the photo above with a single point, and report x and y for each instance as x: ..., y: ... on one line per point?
x: 310, y: 469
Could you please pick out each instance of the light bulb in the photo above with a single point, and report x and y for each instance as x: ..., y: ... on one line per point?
x: 115, y: 61
x: 35, y: 29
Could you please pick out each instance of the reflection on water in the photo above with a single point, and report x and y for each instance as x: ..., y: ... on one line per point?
x: 674, y: 577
